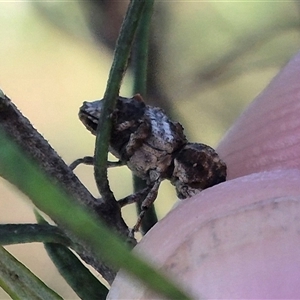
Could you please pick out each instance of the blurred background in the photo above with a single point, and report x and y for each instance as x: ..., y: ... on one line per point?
x: 208, y: 60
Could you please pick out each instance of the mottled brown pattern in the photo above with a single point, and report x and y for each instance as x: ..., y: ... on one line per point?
x: 196, y: 167
x: 155, y: 148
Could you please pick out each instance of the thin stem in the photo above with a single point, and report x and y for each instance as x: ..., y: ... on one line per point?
x: 73, y: 270
x: 116, y: 74
x: 21, y: 283
x: 29, y: 233
x: 140, y: 51
x: 140, y: 70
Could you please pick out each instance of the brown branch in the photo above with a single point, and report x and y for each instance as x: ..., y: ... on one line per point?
x: 35, y: 146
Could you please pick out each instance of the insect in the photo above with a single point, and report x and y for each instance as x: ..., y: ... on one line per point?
x: 155, y: 148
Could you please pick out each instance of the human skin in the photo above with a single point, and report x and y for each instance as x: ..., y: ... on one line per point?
x: 239, y: 239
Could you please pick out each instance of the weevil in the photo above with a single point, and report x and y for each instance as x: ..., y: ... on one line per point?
x: 154, y: 148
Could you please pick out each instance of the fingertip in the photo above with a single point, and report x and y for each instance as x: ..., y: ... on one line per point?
x: 267, y: 135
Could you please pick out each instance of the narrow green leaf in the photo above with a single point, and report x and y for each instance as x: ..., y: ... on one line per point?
x: 18, y: 282
x: 140, y: 68
x: 116, y: 74
x: 141, y: 49
x: 79, y: 277
x: 29, y: 233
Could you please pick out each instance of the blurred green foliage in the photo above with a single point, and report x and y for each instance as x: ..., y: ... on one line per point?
x: 208, y: 60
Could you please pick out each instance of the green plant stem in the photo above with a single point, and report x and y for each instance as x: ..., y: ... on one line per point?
x: 106, y: 246
x: 140, y: 67
x: 19, y: 282
x: 140, y: 50
x: 30, y: 233
x: 78, y: 276
x: 116, y: 74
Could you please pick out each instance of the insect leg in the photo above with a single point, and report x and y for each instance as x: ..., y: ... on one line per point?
x: 112, y: 164
x: 134, y: 197
x: 89, y: 160
x: 149, y: 200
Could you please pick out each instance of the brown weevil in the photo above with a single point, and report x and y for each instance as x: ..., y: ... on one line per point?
x: 155, y: 148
